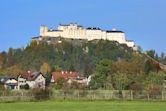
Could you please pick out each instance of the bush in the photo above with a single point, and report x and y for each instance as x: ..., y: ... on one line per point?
x: 137, y: 88
x: 155, y: 91
x: 26, y: 87
x: 42, y: 94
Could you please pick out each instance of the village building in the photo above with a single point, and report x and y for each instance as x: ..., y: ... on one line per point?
x: 10, y: 83
x: 70, y: 77
x: 32, y: 80
x: 64, y: 74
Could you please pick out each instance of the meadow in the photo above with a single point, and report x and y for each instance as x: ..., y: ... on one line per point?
x: 84, y: 106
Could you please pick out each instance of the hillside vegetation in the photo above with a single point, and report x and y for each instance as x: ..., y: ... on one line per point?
x: 112, y: 65
x: 66, y: 56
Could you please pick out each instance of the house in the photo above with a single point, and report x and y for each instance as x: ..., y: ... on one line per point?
x: 31, y: 80
x: 70, y: 77
x: 64, y: 74
x: 9, y: 82
x: 80, y: 80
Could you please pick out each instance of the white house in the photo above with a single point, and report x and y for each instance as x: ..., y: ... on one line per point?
x: 75, y: 31
x: 32, y: 79
x: 80, y: 80
x: 9, y: 82
x: 70, y: 77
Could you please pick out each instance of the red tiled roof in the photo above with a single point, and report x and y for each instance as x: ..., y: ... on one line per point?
x: 30, y: 76
x: 64, y: 74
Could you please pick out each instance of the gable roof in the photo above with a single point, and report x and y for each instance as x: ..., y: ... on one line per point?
x: 30, y: 76
x: 64, y: 74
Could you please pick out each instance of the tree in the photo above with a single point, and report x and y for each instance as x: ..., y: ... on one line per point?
x: 87, y: 68
x: 153, y: 83
x: 45, y: 68
x: 153, y: 79
x: 150, y: 66
x: 125, y: 66
x: 10, y: 57
x: 1, y: 60
x: 121, y: 80
x: 162, y: 56
x: 151, y: 53
x: 103, y: 69
x: 123, y: 73
x: 11, y: 52
x: 56, y: 68
x: 71, y: 68
x: 48, y: 79
x: 60, y: 83
x: 33, y: 44
x: 14, y: 70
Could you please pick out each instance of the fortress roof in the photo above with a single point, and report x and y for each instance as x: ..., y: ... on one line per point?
x: 130, y: 40
x: 54, y: 30
x: 114, y: 31
x: 93, y: 28
x: 63, y: 25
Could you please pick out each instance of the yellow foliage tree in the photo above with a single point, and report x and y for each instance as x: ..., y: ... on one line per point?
x: 45, y: 68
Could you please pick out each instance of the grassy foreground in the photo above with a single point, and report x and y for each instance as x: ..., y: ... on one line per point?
x: 84, y: 106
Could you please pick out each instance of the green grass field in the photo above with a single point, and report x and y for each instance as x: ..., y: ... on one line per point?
x: 84, y: 106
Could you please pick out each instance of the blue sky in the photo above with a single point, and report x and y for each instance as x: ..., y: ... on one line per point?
x: 144, y: 21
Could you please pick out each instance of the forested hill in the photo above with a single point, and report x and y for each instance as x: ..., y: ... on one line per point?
x: 67, y: 56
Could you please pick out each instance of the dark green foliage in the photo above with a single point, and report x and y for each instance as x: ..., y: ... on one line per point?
x: 26, y: 87
x: 48, y: 79
x: 103, y: 69
x: 71, y: 68
x: 151, y: 53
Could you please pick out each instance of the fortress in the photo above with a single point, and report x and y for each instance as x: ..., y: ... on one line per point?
x: 75, y: 31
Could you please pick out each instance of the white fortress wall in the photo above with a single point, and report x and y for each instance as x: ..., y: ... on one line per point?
x: 75, y: 31
x: 94, y: 34
x: 104, y: 35
x: 116, y: 36
x: 130, y: 43
x: 54, y: 33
